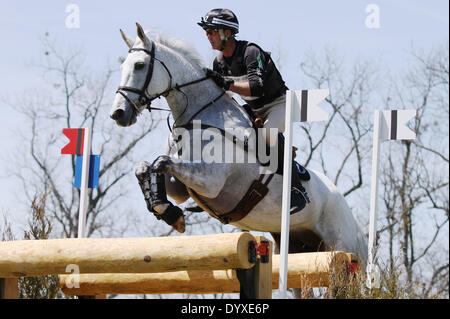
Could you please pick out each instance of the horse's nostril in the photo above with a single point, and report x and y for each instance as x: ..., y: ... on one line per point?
x: 117, y: 114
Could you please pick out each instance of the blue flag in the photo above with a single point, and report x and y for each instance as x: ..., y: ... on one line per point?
x: 94, y: 168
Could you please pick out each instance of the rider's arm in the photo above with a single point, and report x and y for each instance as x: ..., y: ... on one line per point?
x: 254, y: 61
x: 241, y: 87
x: 250, y: 84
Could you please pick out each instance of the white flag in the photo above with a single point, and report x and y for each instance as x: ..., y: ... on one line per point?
x: 393, y: 125
x: 305, y: 107
x: 388, y: 125
x: 301, y: 106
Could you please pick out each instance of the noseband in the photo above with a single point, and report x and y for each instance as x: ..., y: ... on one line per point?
x: 144, y: 100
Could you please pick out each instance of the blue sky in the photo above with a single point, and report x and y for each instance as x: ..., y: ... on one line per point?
x: 295, y: 26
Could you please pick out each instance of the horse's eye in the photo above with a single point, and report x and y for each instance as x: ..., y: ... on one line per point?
x: 139, y: 65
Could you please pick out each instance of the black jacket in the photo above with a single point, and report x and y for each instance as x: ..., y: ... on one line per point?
x: 266, y: 83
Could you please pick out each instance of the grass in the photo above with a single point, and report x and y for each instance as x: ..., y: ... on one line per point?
x: 353, y: 286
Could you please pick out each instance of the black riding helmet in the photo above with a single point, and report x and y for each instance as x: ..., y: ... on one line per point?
x: 220, y: 19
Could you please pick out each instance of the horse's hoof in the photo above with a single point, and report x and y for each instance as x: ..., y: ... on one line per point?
x: 179, y: 225
x: 160, y: 165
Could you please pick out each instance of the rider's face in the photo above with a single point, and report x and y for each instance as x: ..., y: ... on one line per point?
x: 214, y: 39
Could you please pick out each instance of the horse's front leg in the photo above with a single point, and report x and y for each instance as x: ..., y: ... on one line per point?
x: 153, y: 187
x: 206, y: 179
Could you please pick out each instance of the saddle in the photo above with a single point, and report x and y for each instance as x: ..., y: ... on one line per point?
x: 258, y: 189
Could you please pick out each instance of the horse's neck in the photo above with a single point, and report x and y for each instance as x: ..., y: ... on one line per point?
x: 194, y: 101
x: 186, y: 101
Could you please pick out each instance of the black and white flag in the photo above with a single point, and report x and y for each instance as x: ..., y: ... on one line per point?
x: 388, y: 125
x: 306, y: 109
x: 301, y: 106
x: 393, y: 125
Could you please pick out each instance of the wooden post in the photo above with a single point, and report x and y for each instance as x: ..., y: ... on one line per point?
x: 263, y: 273
x: 9, y: 288
x: 256, y: 282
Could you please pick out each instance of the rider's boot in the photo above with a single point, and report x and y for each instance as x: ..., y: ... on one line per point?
x: 299, y: 196
x: 154, y: 189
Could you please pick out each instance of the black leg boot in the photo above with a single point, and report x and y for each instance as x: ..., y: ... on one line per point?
x: 152, y: 185
x: 154, y: 189
x: 299, y: 196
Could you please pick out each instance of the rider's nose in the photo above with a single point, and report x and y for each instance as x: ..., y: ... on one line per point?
x: 117, y: 114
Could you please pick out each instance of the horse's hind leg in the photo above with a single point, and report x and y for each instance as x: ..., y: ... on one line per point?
x: 154, y: 190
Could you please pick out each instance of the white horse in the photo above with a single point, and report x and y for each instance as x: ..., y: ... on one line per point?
x: 170, y: 68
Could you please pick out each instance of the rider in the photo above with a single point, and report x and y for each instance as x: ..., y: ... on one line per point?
x: 244, y: 68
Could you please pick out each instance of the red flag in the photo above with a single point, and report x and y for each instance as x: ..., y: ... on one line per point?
x: 76, y: 137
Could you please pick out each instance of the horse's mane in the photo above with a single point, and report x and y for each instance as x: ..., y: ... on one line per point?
x: 179, y: 45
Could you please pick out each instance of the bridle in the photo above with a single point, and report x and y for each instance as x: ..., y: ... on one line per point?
x: 144, y: 99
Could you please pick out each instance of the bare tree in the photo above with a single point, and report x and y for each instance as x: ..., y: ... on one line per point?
x: 76, y: 97
x: 415, y: 178
x: 345, y: 137
x: 414, y: 173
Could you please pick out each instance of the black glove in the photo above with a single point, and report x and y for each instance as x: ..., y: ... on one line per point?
x: 219, y: 79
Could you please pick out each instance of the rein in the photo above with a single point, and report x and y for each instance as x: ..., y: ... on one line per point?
x: 144, y: 100
x: 257, y: 190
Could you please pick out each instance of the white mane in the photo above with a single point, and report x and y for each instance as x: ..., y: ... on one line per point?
x: 181, y: 46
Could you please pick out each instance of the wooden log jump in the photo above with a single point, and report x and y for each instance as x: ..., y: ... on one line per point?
x: 304, y: 270
x: 241, y: 251
x: 220, y: 263
x: 27, y: 258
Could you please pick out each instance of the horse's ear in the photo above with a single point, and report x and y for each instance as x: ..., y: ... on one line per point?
x: 141, y: 34
x: 127, y: 40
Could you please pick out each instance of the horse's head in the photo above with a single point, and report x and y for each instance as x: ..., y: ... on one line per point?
x: 144, y: 77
